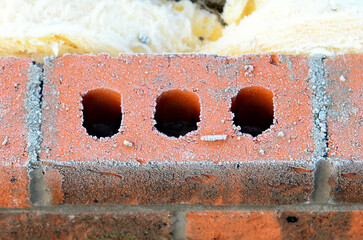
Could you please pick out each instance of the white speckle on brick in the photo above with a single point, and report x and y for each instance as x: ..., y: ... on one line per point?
x: 262, y: 152
x: 280, y: 134
x: 212, y: 138
x: 127, y: 143
x: 249, y: 68
x: 342, y: 78
x: 5, y: 141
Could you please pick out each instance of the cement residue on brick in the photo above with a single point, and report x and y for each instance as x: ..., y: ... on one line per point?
x: 320, y: 103
x: 39, y: 194
x: 33, y: 116
x: 321, y: 193
x: 265, y: 183
x: 39, y: 191
x: 178, y: 226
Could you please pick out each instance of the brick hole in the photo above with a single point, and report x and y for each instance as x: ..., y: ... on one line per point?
x: 102, y: 112
x: 177, y: 113
x: 291, y: 219
x: 253, y: 110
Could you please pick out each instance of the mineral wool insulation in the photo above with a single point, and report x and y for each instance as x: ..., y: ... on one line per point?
x: 38, y: 28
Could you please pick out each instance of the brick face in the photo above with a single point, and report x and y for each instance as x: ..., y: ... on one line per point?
x: 14, y: 182
x: 232, y: 225
x: 347, y: 182
x: 163, y: 183
x: 274, y: 225
x: 321, y: 225
x: 344, y: 76
x: 13, y: 133
x: 38, y: 225
x: 141, y: 79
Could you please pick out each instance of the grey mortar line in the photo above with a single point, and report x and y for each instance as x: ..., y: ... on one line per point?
x: 39, y: 193
x: 179, y: 225
x: 180, y: 210
x: 323, y: 167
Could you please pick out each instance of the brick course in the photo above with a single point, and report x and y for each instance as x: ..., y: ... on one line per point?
x: 213, y: 182
x: 38, y: 225
x: 141, y: 79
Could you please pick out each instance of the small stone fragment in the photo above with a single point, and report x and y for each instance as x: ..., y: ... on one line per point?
x: 127, y: 143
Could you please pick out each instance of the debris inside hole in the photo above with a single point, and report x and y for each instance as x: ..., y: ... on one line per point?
x: 177, y: 113
x: 102, y: 112
x: 253, y: 110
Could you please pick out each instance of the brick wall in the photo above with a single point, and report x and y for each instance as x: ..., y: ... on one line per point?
x: 181, y: 147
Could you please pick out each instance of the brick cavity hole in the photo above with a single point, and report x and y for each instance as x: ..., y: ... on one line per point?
x: 253, y: 110
x: 177, y: 112
x: 102, y: 112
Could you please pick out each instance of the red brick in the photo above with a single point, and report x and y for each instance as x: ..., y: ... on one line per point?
x: 162, y: 183
x: 14, y: 183
x: 345, y: 88
x: 347, y: 182
x: 232, y: 225
x: 39, y: 225
x: 275, y: 225
x: 356, y: 230
x: 13, y: 132
x: 141, y: 79
x: 321, y: 225
x: 13, y: 76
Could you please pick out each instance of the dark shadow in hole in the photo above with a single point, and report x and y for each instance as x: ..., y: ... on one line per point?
x: 102, y: 112
x: 253, y: 110
x: 177, y: 113
x: 292, y: 219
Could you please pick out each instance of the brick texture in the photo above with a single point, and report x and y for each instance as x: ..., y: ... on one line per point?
x: 344, y: 76
x: 14, y: 183
x: 38, y: 225
x: 161, y: 183
x: 274, y: 225
x: 232, y: 225
x: 13, y: 132
x: 140, y: 80
x: 247, y: 141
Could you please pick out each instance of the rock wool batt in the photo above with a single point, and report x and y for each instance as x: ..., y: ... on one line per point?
x: 37, y: 28
x: 291, y: 27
